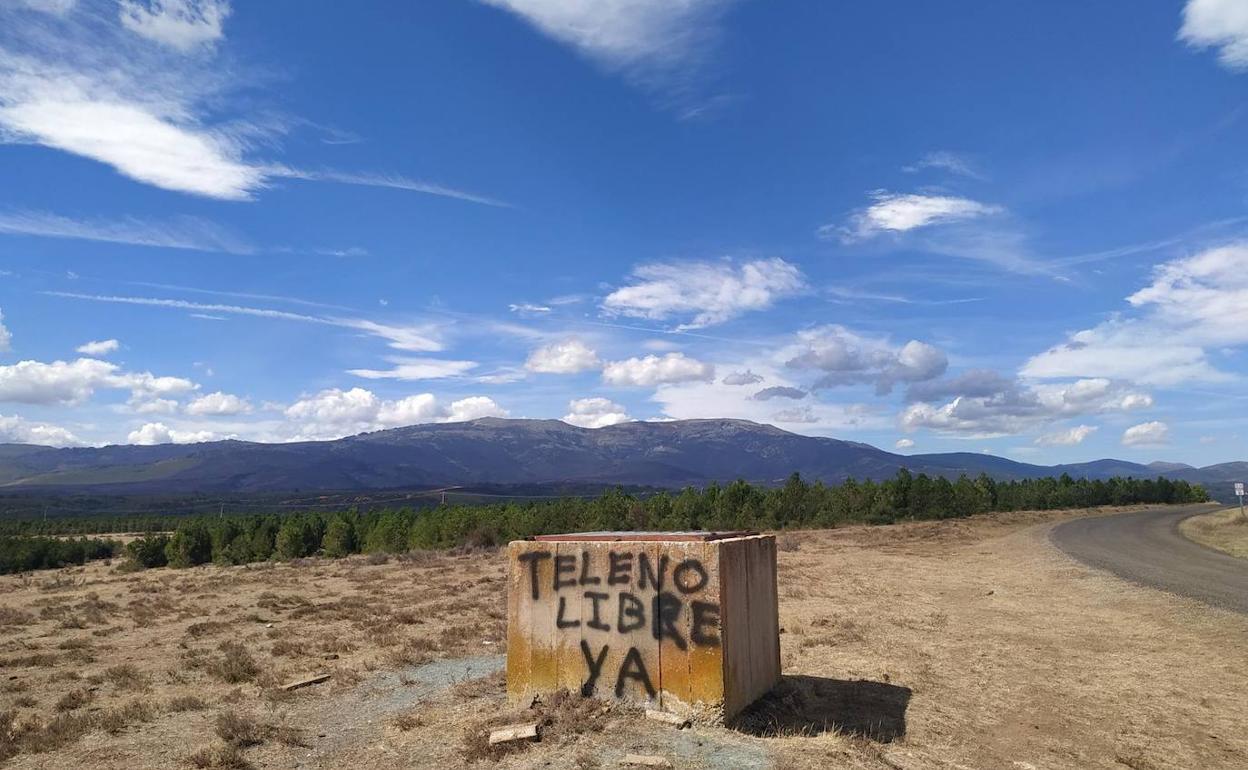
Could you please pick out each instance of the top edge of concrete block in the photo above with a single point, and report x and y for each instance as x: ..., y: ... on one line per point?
x: 645, y: 537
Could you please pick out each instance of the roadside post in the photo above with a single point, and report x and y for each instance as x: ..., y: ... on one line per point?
x: 1239, y: 492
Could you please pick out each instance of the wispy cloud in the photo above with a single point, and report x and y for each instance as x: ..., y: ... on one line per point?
x: 146, y: 88
x: 941, y: 224
x: 1193, y: 306
x: 415, y: 338
x: 660, y: 45
x: 943, y: 160
x: 849, y: 294
x: 180, y: 24
x: 392, y: 181
x: 238, y: 294
x: 415, y: 369
x: 178, y: 233
x: 903, y: 212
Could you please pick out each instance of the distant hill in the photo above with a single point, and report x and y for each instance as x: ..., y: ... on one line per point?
x: 503, y: 452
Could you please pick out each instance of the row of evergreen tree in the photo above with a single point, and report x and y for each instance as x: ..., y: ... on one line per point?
x: 239, y: 539
x: 24, y: 553
x: 739, y: 505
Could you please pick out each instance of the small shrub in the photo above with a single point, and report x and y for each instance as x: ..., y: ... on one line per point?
x: 14, y: 617
x: 207, y: 628
x: 74, y: 699
x: 234, y: 665
x: 185, y: 703
x: 126, y: 677
x: 227, y: 757
x: 240, y: 731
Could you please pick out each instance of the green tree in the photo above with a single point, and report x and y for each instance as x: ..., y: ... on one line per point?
x: 190, y: 545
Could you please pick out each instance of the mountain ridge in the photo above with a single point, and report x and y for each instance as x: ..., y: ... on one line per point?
x: 514, y: 451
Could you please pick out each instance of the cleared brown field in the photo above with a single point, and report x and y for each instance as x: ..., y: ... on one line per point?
x: 966, y: 643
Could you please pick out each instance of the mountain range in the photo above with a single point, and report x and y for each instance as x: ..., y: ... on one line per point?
x: 494, y: 451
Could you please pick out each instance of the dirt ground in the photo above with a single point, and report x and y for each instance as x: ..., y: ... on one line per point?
x: 956, y: 644
x: 1225, y: 531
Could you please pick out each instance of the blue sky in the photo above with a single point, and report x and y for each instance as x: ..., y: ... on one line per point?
x: 1008, y: 227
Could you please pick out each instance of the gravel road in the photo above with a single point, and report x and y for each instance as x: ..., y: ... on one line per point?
x: 1146, y: 548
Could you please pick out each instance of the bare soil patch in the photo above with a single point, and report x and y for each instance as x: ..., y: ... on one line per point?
x: 963, y: 643
x: 1225, y: 531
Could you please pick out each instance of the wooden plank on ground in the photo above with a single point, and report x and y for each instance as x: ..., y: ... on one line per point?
x: 298, y: 683
x: 522, y: 732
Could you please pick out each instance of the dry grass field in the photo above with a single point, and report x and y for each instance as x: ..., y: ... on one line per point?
x: 1225, y: 531
x: 956, y: 644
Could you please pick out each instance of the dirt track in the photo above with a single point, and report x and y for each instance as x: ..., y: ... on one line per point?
x: 1147, y: 548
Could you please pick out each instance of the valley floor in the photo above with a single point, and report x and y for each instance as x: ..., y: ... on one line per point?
x: 965, y: 643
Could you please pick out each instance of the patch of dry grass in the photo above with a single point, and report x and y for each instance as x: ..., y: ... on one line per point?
x: 1224, y: 531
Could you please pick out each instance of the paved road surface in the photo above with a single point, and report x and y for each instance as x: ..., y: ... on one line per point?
x: 1147, y: 548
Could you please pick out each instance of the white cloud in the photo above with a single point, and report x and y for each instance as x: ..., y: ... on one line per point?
x: 653, y: 370
x: 183, y: 25
x: 218, y: 404
x: 1205, y: 296
x: 148, y: 141
x: 846, y: 358
x: 705, y: 292
x: 338, y: 408
x: 61, y: 382
x: 1193, y: 304
x: 145, y: 404
x: 1014, y: 407
x: 98, y: 348
x: 417, y: 369
x: 565, y: 357
x: 1146, y: 434
x: 18, y: 430
x: 6, y: 337
x: 900, y: 213
x: 647, y: 39
x: 474, y: 408
x: 595, y: 413
x: 177, y: 233
x: 158, y: 433
x: 904, y: 443
x: 1069, y: 437
x: 1221, y: 24
x: 334, y: 413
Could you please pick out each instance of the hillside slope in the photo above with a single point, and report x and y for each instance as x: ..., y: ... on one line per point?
x: 498, y: 451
